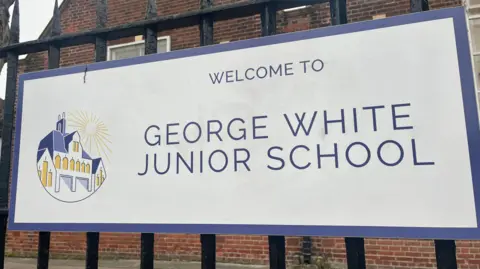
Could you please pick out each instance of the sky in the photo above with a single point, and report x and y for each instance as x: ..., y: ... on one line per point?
x: 34, y: 17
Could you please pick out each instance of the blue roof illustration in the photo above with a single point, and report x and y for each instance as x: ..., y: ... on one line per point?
x: 96, y: 164
x: 56, y: 141
x: 40, y: 153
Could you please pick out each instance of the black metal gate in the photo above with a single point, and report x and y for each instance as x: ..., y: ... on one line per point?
x: 204, y: 17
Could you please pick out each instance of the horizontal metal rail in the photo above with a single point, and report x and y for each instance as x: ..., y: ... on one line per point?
x: 168, y: 22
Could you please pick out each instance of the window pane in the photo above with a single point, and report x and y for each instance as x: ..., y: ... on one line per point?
x: 135, y: 50
x: 473, y: 2
x: 475, y: 34
x: 162, y: 45
x: 125, y: 52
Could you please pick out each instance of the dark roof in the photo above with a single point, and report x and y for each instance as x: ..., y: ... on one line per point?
x: 95, y: 165
x: 55, y: 141
x: 40, y: 153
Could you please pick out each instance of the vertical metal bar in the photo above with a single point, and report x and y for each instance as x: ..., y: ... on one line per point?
x: 307, y: 249
x: 208, y: 241
x: 419, y: 5
x: 355, y: 253
x: 53, y: 62
x: 276, y: 244
x: 7, y: 132
x: 92, y: 250
x: 147, y: 257
x: 206, y: 25
x: 268, y: 16
x: 338, y: 12
x: 276, y: 247
x: 93, y: 238
x: 446, y: 254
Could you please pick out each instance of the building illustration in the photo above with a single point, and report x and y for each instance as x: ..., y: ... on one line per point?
x: 64, y: 166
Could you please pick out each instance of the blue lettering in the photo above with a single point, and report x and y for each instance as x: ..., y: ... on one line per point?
x: 275, y: 71
x: 217, y: 78
x: 379, y: 150
x: 243, y: 131
x: 155, y: 164
x: 243, y: 161
x: 326, y: 121
x: 215, y: 132
x: 157, y: 137
x: 246, y: 74
x: 319, y: 66
x: 293, y: 162
x: 288, y: 69
x: 275, y: 158
x: 225, y: 162
x: 334, y: 155
x: 236, y: 76
x: 262, y: 68
x: 229, y: 77
x: 189, y: 167
x: 415, y: 158
x: 395, y: 117
x: 374, y: 115
x: 347, y: 154
x: 255, y: 127
x: 169, y: 133
x: 305, y: 65
x: 355, y: 123
x: 300, y: 123
x: 146, y: 166
x: 185, y: 132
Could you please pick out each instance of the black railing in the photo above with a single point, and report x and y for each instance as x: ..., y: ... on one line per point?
x: 204, y: 17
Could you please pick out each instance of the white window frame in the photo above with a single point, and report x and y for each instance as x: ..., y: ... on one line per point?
x: 110, y: 48
x: 473, y: 52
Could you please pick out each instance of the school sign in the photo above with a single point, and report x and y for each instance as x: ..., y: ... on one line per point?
x: 366, y: 129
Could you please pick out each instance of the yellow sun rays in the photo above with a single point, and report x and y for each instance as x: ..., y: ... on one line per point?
x: 93, y: 132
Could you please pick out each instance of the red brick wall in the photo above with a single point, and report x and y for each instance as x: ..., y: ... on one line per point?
x: 79, y: 15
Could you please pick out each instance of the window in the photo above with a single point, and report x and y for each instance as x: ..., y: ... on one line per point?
x: 473, y: 13
x: 137, y: 48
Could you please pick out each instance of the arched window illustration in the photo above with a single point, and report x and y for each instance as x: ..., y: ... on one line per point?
x: 98, y: 180
x: 87, y: 168
x: 78, y: 166
x: 102, y: 178
x: 72, y: 165
x: 57, y: 161
x: 44, y: 173
x: 65, y: 163
x: 83, y: 168
x: 49, y: 181
x: 76, y: 146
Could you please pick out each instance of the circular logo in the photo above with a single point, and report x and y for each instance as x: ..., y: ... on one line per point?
x: 71, y: 159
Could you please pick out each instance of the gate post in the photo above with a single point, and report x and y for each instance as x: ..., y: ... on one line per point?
x: 7, y: 132
x: 93, y: 238
x: 419, y: 5
x: 207, y: 241
x: 355, y: 253
x: 446, y: 254
x: 53, y: 62
x: 276, y: 243
x: 147, y: 257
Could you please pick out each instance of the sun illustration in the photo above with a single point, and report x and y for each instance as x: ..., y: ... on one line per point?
x: 93, y: 132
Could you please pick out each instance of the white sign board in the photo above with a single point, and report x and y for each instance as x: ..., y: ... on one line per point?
x: 367, y: 129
